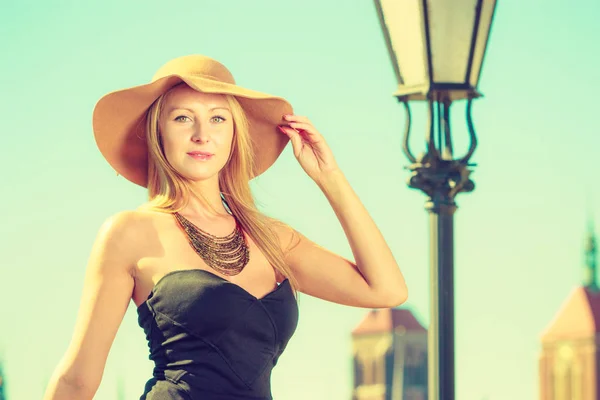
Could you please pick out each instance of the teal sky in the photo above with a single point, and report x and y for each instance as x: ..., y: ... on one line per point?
x: 519, y: 235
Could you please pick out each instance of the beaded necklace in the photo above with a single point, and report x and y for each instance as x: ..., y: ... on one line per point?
x: 227, y: 254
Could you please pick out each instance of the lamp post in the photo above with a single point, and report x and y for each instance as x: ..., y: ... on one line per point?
x: 437, y: 49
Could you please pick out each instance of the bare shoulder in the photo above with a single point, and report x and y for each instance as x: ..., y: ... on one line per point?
x: 123, y: 233
x: 119, y: 224
x: 117, y: 228
x: 288, y: 236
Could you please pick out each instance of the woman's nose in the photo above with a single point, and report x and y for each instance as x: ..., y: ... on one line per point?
x: 200, y: 135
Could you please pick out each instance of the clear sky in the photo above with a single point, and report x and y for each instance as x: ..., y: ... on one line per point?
x: 519, y: 235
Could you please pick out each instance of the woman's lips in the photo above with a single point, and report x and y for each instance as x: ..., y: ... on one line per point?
x: 201, y: 157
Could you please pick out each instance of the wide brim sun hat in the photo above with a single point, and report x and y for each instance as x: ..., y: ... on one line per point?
x: 119, y: 118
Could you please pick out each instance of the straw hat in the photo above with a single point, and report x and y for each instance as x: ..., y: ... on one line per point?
x: 119, y: 117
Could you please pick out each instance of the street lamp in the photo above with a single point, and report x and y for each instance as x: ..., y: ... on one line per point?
x: 437, y: 49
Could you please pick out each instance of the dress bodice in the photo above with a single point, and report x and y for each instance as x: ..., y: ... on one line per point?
x: 211, y: 339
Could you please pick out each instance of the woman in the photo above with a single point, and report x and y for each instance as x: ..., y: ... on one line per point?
x: 213, y: 279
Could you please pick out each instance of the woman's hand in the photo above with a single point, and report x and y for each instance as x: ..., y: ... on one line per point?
x: 310, y: 148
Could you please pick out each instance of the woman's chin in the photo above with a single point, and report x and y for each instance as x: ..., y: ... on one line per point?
x: 199, y: 178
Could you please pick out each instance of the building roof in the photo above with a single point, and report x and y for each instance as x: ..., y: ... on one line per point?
x: 578, y: 317
x: 388, y: 320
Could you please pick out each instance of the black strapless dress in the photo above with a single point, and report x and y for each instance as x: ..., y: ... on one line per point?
x: 212, y: 340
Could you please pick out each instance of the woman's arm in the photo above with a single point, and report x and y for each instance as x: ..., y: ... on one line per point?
x: 371, y: 252
x: 60, y: 388
x: 107, y: 289
x: 373, y: 281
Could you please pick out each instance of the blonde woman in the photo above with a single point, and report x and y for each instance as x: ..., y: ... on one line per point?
x: 214, y: 280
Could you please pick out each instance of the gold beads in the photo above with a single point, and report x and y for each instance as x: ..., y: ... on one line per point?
x: 227, y: 255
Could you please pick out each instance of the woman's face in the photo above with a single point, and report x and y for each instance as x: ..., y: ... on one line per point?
x: 194, y: 121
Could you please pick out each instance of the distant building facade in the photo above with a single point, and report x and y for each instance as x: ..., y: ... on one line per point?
x: 569, y: 367
x: 389, y: 348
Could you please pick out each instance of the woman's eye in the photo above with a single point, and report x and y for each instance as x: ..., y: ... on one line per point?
x: 180, y: 116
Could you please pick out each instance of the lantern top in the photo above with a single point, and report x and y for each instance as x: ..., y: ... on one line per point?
x: 436, y: 47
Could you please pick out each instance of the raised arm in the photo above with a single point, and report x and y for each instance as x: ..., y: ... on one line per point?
x: 107, y: 289
x: 373, y: 280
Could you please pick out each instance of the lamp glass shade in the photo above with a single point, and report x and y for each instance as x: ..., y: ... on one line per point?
x: 436, y: 45
x: 406, y: 41
x: 450, y: 35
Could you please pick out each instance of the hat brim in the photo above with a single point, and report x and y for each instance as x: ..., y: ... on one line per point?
x: 119, y: 123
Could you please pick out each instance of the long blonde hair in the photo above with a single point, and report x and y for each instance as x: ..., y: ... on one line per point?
x: 169, y: 192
